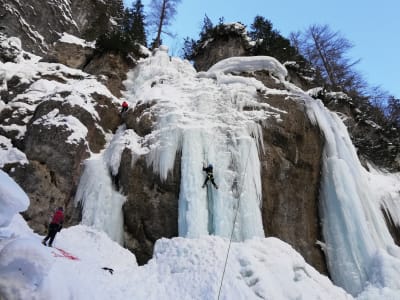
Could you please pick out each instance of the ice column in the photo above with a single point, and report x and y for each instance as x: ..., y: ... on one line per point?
x: 101, y: 203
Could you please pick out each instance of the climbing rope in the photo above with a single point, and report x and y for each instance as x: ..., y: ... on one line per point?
x: 234, y: 223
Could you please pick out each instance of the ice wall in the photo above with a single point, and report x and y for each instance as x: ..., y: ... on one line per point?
x: 101, y: 203
x: 201, y: 118
x: 353, y: 225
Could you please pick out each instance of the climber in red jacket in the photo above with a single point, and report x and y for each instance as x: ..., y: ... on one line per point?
x: 124, y: 107
x: 55, y: 226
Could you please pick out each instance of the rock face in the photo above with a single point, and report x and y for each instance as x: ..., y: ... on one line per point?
x: 231, y: 42
x: 56, y: 126
x: 39, y: 23
x: 374, y: 143
x: 290, y: 180
x: 72, y: 55
x: 112, y: 69
x: 55, y: 165
x: 151, y: 210
x: 140, y: 119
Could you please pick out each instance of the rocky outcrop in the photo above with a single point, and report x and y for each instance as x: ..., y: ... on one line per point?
x: 141, y: 119
x: 375, y: 143
x: 46, y: 193
x: 39, y: 23
x: 290, y: 177
x: 94, y: 17
x: 290, y: 181
x: 228, y: 40
x: 56, y: 160
x: 112, y: 69
x: 302, y: 77
x: 73, y: 55
x: 56, y: 116
x: 29, y: 20
x: 151, y: 210
x: 10, y: 49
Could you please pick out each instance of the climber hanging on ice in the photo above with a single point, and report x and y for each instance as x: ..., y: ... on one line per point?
x: 210, y: 176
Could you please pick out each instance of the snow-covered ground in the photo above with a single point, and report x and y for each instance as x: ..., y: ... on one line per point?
x: 202, y: 115
x: 180, y: 269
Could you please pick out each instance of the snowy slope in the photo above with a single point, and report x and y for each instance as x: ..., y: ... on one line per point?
x: 181, y: 269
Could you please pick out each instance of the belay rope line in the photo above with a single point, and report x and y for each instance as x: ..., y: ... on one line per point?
x: 234, y: 223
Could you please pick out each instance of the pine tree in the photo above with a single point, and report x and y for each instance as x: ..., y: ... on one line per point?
x: 117, y: 11
x: 207, y: 27
x: 128, y: 33
x: 189, y: 46
x: 126, y: 23
x: 271, y: 42
x: 138, y: 23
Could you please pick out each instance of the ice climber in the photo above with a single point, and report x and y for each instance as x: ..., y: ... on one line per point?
x: 54, y: 227
x: 210, y: 176
x: 124, y: 107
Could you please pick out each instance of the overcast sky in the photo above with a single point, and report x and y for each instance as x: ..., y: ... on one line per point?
x: 372, y: 26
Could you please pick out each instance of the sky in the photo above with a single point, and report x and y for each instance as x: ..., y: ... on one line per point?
x: 372, y: 26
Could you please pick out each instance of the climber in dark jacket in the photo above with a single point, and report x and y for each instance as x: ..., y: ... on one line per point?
x: 55, y: 226
x: 210, y: 176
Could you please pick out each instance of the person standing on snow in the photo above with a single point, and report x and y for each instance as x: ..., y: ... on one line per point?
x: 55, y: 226
x: 124, y: 107
x: 210, y: 176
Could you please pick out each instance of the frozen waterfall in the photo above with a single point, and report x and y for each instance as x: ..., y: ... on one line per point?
x: 353, y: 226
x: 101, y: 203
x: 200, y: 116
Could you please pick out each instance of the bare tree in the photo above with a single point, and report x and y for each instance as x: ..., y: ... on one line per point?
x: 162, y: 13
x: 327, y: 51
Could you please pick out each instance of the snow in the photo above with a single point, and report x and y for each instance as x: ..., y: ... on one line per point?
x: 12, y: 199
x: 123, y: 139
x: 388, y: 190
x: 250, y: 64
x: 180, y: 269
x: 102, y: 204
x: 76, y: 87
x: 77, y: 130
x: 9, y: 154
x: 199, y: 118
x: 71, y: 39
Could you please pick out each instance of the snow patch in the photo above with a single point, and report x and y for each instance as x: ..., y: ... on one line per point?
x: 12, y: 199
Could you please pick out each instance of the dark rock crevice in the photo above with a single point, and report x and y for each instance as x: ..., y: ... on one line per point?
x: 394, y: 229
x: 151, y: 209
